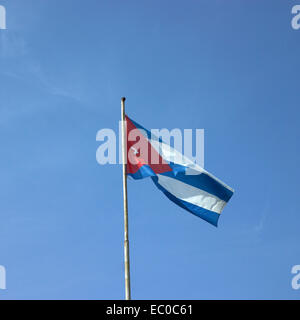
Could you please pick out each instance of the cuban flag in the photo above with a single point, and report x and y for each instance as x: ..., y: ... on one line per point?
x: 180, y: 179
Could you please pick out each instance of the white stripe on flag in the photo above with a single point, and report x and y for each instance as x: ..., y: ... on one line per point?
x: 191, y: 194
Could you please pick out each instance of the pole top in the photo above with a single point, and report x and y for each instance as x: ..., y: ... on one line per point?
x: 123, y: 99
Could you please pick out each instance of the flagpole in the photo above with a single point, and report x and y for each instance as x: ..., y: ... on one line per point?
x: 126, y: 238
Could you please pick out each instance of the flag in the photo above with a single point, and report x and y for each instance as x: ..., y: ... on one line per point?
x: 179, y: 178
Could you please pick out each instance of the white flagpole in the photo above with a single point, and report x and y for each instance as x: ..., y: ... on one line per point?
x: 126, y: 238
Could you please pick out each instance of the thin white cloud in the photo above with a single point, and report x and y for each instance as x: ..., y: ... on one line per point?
x: 260, y: 226
x: 17, y: 62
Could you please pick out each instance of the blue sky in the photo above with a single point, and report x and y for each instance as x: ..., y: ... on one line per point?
x: 230, y: 67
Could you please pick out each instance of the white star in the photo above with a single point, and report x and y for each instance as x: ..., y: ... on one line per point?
x: 134, y: 150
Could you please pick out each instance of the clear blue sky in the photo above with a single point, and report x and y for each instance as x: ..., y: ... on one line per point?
x: 230, y: 67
